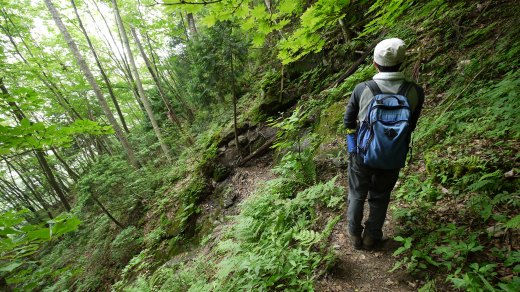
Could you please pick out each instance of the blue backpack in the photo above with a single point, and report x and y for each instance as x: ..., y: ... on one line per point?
x: 384, y: 135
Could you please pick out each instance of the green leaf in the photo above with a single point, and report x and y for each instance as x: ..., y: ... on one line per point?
x: 288, y: 6
x: 39, y: 234
x: 209, y: 20
x: 8, y: 230
x: 25, y: 123
x: 513, y: 223
x: 10, y: 267
x: 65, y: 226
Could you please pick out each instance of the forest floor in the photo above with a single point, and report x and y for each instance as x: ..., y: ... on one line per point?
x: 354, y: 270
x: 363, y: 270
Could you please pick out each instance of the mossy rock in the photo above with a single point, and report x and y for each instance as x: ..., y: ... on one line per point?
x: 330, y: 122
x: 195, y: 191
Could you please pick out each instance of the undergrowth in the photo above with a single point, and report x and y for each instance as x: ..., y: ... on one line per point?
x: 277, y: 241
x: 459, y: 214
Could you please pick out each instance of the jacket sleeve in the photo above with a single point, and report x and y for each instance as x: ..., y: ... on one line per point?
x: 351, y: 113
x: 417, y: 111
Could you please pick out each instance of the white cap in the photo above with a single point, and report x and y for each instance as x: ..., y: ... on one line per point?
x: 389, y: 52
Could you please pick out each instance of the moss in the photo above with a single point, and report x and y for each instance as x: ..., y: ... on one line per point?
x: 186, y: 207
x: 330, y: 122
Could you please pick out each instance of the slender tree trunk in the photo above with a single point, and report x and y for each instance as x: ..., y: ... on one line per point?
x: 39, y: 153
x: 184, y: 27
x: 19, y: 196
x: 122, y: 65
x: 105, y: 210
x: 101, y: 69
x: 90, y: 78
x: 171, y: 114
x: 178, y: 96
x: 30, y: 187
x: 234, y: 93
x: 140, y: 89
x: 191, y: 25
x: 281, y: 85
x: 8, y: 198
x: 68, y: 169
x: 52, y: 179
x: 269, y: 6
x: 42, y: 75
x: 38, y: 183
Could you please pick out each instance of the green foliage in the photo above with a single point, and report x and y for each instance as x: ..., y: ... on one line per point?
x: 276, y: 241
x: 254, y: 19
x: 126, y: 244
x: 205, y: 69
x: 476, y: 279
x: 20, y: 240
x: 138, y: 263
x: 473, y: 175
x: 29, y: 135
x: 308, y: 37
x: 384, y: 14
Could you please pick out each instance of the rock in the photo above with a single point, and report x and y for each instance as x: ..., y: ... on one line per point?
x: 252, y: 135
x: 389, y: 282
x: 339, y: 162
x: 496, y: 230
x: 242, y: 140
x: 268, y: 132
x: 510, y: 173
x: 230, y: 200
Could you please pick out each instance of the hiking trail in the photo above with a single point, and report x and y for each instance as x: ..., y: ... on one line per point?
x: 354, y: 270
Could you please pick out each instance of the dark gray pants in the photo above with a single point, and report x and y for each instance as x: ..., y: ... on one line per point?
x: 377, y: 184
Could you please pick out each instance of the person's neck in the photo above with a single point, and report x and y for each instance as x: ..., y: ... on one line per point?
x: 389, y: 75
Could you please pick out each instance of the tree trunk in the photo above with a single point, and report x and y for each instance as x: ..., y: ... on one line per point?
x: 68, y: 169
x: 186, y: 34
x: 122, y: 65
x: 101, y: 70
x: 39, y: 153
x: 29, y: 186
x: 140, y: 89
x: 171, y: 114
x: 106, y: 211
x: 175, y: 91
x: 234, y: 93
x: 90, y: 78
x: 268, y: 4
x: 18, y: 193
x: 191, y: 25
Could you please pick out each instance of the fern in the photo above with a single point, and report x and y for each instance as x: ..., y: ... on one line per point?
x: 308, y: 237
x: 513, y: 223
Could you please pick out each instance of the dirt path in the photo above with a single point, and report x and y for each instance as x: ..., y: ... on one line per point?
x: 246, y: 179
x: 355, y: 270
x: 361, y: 270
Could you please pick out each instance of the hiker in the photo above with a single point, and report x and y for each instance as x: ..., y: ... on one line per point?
x: 379, y: 120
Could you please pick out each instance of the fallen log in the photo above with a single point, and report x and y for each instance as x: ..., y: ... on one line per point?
x: 261, y: 150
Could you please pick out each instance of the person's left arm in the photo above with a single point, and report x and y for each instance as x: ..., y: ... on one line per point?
x: 351, y: 113
x: 417, y: 111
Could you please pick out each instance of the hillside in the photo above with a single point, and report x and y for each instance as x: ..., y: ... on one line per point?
x: 241, y: 182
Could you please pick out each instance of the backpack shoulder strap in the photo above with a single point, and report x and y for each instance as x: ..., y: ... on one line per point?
x: 403, y: 89
x: 372, y: 85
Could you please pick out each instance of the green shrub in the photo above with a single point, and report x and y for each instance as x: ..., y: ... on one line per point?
x: 126, y: 244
